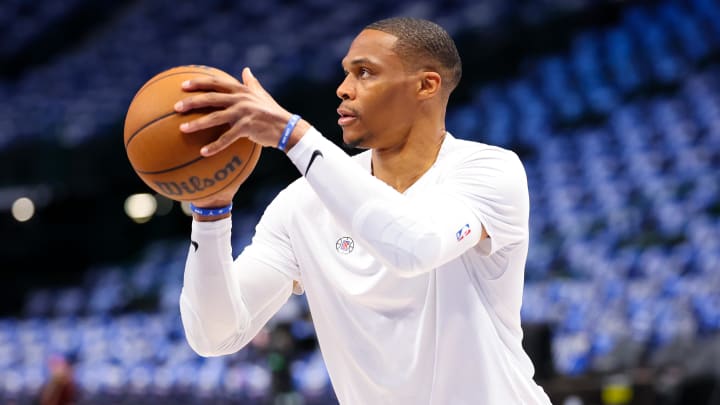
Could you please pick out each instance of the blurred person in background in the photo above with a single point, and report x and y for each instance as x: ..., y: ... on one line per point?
x: 60, y: 389
x: 411, y: 254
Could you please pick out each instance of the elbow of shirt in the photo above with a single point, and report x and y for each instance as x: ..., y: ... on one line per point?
x: 210, y: 340
x: 205, y: 346
x: 213, y: 350
x: 202, y: 349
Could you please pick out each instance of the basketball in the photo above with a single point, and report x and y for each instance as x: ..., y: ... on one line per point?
x: 168, y: 160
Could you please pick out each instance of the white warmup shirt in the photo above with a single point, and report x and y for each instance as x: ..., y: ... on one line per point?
x: 409, y: 306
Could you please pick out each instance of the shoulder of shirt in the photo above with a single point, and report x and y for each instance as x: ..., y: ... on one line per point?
x: 299, y: 191
x: 460, y: 150
x: 293, y: 190
x: 287, y: 201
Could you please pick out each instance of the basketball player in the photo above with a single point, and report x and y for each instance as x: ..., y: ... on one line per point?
x: 411, y: 253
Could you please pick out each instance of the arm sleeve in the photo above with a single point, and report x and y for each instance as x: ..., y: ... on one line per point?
x: 224, y: 304
x: 415, y: 235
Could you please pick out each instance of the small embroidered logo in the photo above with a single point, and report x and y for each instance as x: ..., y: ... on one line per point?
x: 345, y: 245
x: 463, y: 232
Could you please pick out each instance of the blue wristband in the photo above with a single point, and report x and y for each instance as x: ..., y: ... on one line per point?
x: 211, y: 212
x: 287, y: 131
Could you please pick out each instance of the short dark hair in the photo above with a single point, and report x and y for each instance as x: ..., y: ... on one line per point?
x: 424, y: 44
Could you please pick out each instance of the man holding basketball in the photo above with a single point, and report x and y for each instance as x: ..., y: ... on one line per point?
x: 411, y: 254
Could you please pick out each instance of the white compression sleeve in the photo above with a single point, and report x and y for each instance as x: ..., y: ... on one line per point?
x: 410, y: 235
x: 223, y: 305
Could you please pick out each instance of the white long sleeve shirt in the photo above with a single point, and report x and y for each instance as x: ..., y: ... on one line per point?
x: 409, y: 305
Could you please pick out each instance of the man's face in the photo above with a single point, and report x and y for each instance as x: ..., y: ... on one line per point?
x: 378, y: 94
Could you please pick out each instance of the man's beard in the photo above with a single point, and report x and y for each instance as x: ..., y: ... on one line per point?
x: 356, y: 144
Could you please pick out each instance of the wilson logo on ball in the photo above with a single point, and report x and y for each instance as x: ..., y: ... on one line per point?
x: 195, y: 184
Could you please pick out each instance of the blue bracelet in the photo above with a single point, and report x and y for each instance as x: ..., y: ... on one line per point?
x: 287, y: 131
x: 211, y: 212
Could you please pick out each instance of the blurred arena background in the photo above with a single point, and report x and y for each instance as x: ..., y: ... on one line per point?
x: 614, y: 107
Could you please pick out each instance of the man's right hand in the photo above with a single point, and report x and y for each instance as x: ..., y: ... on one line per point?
x: 246, y: 107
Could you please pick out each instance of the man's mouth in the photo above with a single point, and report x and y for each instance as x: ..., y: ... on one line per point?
x: 347, y: 116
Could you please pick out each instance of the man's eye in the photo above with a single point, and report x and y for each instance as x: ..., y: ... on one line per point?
x: 364, y: 72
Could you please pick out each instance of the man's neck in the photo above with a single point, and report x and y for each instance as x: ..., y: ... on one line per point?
x: 402, y: 165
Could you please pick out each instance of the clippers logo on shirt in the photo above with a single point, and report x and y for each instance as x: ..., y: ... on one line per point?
x: 345, y: 245
x: 463, y: 232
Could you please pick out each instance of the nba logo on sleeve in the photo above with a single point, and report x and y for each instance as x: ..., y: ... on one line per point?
x: 463, y: 232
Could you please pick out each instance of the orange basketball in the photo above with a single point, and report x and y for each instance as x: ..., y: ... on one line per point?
x: 168, y: 160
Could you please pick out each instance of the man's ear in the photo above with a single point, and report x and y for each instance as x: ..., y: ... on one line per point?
x: 429, y: 84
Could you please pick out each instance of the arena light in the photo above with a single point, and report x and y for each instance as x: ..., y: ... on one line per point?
x: 140, y: 207
x: 40, y: 194
x: 23, y: 209
x: 186, y: 208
